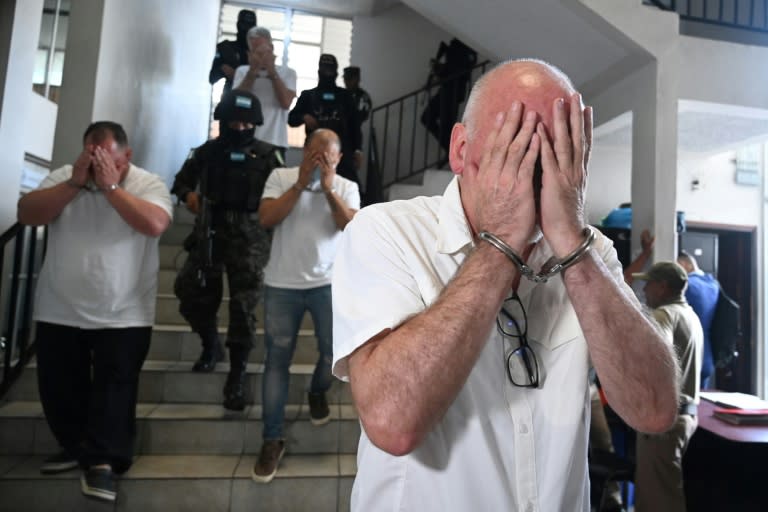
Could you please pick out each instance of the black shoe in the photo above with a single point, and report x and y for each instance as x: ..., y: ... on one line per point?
x: 208, y: 359
x: 99, y: 483
x: 59, y: 463
x: 234, y: 388
x: 319, y: 412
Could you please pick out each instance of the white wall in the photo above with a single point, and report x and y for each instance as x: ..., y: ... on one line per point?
x: 19, y: 29
x: 610, y: 174
x: 146, y: 65
x: 38, y: 135
x: 719, y: 199
x: 723, y: 72
x: 393, y: 51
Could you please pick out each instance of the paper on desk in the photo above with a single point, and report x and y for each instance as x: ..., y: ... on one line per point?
x: 734, y: 400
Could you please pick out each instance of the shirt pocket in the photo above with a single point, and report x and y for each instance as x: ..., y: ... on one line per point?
x: 552, y: 321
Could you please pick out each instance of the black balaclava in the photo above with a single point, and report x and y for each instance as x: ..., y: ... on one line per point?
x: 246, y: 20
x: 238, y: 138
x: 327, y: 71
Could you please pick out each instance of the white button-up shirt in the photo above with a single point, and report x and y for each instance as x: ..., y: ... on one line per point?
x: 498, y: 447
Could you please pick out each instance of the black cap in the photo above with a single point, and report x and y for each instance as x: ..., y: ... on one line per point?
x: 328, y: 62
x: 352, y: 72
x: 239, y: 105
x: 247, y: 16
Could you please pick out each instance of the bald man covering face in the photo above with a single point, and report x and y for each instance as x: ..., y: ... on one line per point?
x: 469, y: 377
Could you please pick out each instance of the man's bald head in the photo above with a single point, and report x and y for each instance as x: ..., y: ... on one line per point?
x: 535, y: 83
x: 321, y: 139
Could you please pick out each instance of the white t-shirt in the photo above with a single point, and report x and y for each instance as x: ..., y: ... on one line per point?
x: 98, y: 271
x: 275, y: 127
x: 304, y: 244
x: 498, y: 447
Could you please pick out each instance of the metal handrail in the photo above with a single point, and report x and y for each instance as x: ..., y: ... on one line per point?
x: 730, y: 14
x: 16, y: 328
x: 399, y: 146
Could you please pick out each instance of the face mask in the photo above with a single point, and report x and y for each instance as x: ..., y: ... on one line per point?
x: 315, y: 174
x: 239, y: 138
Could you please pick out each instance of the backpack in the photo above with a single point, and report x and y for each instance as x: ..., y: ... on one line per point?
x: 725, y: 330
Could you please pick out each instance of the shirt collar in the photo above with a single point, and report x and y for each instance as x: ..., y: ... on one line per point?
x: 454, y: 233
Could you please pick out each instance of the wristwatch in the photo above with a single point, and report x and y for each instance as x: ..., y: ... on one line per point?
x: 110, y: 188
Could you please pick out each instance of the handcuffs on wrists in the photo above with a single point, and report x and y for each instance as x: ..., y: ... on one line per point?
x: 552, y: 267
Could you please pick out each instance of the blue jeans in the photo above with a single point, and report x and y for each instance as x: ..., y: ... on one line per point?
x: 283, y: 312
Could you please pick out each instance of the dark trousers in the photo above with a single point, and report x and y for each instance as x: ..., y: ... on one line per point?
x: 88, y: 381
x: 241, y: 246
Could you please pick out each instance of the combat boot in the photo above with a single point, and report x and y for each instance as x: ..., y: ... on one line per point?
x: 212, y: 353
x: 234, y: 388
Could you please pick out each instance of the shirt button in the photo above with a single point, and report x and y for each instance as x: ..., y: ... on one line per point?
x: 523, y: 428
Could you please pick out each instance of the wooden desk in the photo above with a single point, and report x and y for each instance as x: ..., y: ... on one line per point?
x: 726, y: 466
x: 735, y: 433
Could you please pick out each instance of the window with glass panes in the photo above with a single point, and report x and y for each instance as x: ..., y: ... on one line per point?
x: 49, y: 60
x: 299, y: 38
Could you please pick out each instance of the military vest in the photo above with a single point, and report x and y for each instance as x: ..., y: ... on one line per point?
x: 236, y: 176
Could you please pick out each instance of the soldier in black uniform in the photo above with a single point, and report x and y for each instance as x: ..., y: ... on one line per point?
x: 231, y: 54
x: 360, y: 96
x: 330, y: 106
x: 231, y: 171
x: 452, y: 70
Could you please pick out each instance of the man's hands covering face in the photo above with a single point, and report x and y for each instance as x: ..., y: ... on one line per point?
x: 505, y: 203
x: 105, y: 172
x: 80, y: 170
x: 564, y: 181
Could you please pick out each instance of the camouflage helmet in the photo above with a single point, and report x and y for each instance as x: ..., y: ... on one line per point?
x: 239, y: 105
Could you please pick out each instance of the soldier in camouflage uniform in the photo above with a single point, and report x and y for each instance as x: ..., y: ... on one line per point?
x: 230, y: 171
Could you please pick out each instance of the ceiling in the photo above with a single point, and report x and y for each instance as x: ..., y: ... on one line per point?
x: 585, y: 47
x: 702, y: 127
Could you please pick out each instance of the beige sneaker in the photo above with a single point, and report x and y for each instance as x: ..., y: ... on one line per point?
x: 266, y: 465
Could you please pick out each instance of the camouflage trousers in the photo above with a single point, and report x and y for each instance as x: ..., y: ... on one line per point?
x: 241, y: 248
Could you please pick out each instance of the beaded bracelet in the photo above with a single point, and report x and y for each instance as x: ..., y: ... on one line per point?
x: 550, y: 268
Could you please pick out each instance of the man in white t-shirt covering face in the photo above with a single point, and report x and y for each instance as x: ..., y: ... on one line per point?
x: 466, y: 350
x: 95, y: 302
x: 272, y: 83
x: 308, y: 207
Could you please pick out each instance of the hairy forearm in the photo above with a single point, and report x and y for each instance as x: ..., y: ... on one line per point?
x: 637, y: 368
x: 143, y: 216
x: 341, y: 213
x: 43, y: 206
x: 284, y: 95
x: 273, y: 211
x: 404, y: 380
x: 246, y: 83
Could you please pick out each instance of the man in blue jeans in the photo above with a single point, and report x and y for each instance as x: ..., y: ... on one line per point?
x: 308, y: 207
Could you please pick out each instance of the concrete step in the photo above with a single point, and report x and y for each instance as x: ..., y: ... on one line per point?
x: 172, y: 257
x: 175, y: 234
x: 189, y: 483
x: 178, y: 343
x: 192, y: 429
x: 175, y: 382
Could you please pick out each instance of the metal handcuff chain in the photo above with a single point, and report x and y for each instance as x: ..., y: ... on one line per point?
x: 550, y: 268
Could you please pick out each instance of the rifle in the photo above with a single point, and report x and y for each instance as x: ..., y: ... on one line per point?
x: 205, y: 231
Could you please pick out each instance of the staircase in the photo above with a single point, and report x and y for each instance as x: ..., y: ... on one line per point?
x: 191, y: 453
